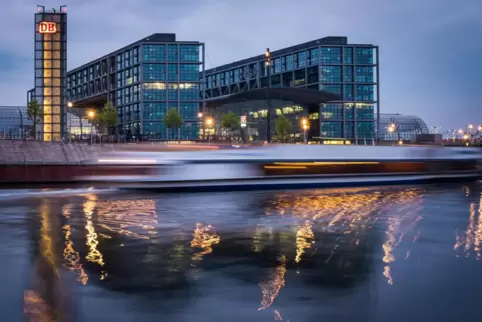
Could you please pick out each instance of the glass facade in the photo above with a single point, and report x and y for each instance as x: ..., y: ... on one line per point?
x: 50, y: 73
x: 14, y: 123
x: 396, y: 127
x: 329, y: 64
x: 143, y: 81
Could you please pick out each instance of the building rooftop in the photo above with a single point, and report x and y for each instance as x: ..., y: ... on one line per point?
x: 331, y: 40
x: 154, y: 38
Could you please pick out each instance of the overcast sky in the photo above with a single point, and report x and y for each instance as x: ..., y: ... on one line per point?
x: 430, y: 50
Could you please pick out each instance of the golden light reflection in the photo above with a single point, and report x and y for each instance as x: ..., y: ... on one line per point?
x: 351, y: 212
x: 304, y: 239
x: 204, y: 237
x: 92, y: 241
x: 471, y: 239
x: 132, y: 218
x: 46, y: 242
x: 72, y: 257
x: 271, y: 287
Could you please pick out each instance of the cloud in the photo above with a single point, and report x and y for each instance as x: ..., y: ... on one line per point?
x: 428, y: 55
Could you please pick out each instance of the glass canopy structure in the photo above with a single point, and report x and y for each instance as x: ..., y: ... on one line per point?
x: 396, y: 127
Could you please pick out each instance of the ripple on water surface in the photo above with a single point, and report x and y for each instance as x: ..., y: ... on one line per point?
x: 365, y: 254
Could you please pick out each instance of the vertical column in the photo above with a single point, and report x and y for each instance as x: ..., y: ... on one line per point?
x: 378, y: 95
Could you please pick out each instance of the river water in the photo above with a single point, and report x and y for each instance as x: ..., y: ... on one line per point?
x: 368, y: 254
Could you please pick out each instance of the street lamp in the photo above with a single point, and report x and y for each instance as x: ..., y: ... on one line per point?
x: 70, y: 104
x: 91, y: 115
x: 267, y: 60
x: 200, y: 117
x: 209, y: 123
x: 304, y: 124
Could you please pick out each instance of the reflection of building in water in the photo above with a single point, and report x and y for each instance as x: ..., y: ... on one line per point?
x: 204, y: 237
x: 131, y: 218
x: 469, y: 241
x: 72, y: 257
x: 92, y: 239
x: 341, y: 219
x: 271, y: 287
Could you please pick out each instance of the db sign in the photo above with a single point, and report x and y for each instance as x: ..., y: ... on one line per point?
x: 45, y: 27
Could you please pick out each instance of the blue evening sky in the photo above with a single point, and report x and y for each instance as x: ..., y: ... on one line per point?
x: 430, y: 50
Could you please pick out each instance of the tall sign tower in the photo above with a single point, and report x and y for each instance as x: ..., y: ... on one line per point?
x: 51, y: 72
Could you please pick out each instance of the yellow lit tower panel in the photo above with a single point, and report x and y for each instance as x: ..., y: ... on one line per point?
x: 51, y: 72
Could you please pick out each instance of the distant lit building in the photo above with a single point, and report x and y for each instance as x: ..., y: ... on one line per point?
x: 143, y: 81
x: 50, y: 72
x: 396, y: 127
x: 330, y: 64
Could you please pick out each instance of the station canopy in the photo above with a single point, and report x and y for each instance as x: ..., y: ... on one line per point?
x: 303, y: 96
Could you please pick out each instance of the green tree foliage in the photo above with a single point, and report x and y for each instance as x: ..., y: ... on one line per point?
x: 230, y: 122
x: 107, y: 117
x: 34, y: 112
x: 174, y: 120
x: 283, y: 127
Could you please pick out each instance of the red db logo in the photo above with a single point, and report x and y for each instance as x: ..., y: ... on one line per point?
x: 47, y: 27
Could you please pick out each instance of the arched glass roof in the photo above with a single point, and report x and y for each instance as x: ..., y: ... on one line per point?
x: 395, y: 127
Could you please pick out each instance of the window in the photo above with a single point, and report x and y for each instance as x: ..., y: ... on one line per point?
x: 348, y: 55
x: 364, y: 74
x: 365, y: 92
x: 330, y: 74
x: 364, y: 55
x: 349, y: 114
x: 154, y: 52
x: 349, y: 130
x: 365, y: 130
x: 189, y: 91
x: 189, y: 111
x: 154, y: 72
x: 301, y: 59
x: 172, y: 53
x: 331, y: 111
x: 289, y: 62
x: 331, y: 55
x: 331, y: 129
x: 155, y: 91
x: 154, y: 111
x: 365, y: 111
x: 348, y: 77
x: 314, y: 56
x: 189, y: 53
x: 348, y: 92
x: 172, y: 91
x: 172, y: 72
x: 190, y: 72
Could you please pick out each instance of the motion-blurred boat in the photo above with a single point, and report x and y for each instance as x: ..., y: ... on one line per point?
x: 286, y: 166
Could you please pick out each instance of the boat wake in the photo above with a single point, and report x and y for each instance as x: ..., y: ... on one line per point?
x: 28, y: 193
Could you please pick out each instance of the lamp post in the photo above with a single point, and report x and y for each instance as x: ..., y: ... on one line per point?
x: 267, y: 59
x: 209, y: 123
x: 200, y: 117
x: 391, y: 129
x: 304, y: 124
x: 91, y: 115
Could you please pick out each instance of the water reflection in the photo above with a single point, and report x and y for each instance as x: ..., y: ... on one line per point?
x: 469, y: 241
x: 298, y: 246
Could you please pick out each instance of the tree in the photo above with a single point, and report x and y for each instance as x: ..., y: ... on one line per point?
x: 107, y: 118
x: 230, y: 122
x: 282, y: 127
x: 174, y: 121
x: 34, y: 112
